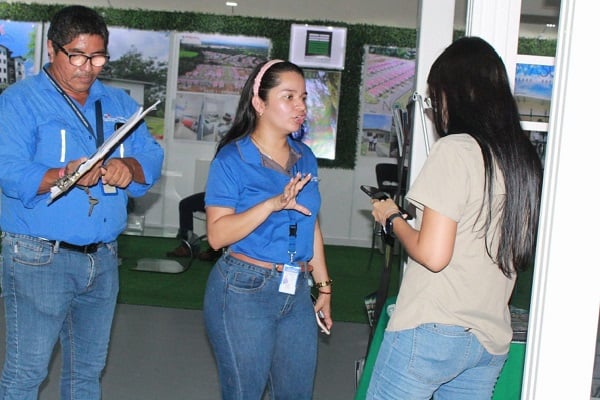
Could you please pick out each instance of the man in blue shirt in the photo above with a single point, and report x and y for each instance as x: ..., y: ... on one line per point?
x: 60, y: 275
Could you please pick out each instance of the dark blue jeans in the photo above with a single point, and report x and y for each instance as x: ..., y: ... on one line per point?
x: 260, y: 336
x: 50, y: 293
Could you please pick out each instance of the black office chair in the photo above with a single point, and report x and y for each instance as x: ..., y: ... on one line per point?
x: 387, y: 181
x: 387, y: 178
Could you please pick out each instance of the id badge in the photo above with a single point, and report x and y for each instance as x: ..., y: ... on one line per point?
x: 109, y: 190
x: 289, y: 279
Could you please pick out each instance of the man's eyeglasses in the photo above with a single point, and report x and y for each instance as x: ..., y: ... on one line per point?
x: 78, y: 59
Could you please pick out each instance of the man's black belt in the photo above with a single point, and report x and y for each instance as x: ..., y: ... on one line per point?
x: 86, y: 248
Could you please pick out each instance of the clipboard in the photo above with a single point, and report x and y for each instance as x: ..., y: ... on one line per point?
x: 63, y: 184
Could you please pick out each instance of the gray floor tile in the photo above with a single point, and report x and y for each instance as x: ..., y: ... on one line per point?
x: 163, y: 354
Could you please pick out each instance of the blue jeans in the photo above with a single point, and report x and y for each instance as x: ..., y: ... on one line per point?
x: 445, y: 362
x: 52, y: 293
x: 260, y: 336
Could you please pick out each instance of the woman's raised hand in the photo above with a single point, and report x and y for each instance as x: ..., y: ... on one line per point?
x: 287, y: 199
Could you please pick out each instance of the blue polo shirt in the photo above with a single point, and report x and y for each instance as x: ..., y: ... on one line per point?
x: 238, y: 179
x: 38, y: 131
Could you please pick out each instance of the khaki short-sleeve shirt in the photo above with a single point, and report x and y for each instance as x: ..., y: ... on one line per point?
x: 471, y: 291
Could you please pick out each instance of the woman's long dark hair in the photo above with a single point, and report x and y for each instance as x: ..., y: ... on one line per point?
x: 245, y: 115
x: 470, y: 93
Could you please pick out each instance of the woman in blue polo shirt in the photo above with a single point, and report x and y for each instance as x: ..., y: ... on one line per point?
x: 262, y: 201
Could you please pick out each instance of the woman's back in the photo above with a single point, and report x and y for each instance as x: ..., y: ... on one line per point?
x: 471, y: 291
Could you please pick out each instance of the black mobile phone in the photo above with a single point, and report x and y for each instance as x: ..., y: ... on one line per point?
x: 374, y: 192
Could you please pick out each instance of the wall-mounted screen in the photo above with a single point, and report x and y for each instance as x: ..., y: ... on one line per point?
x: 318, y: 46
x: 318, y: 43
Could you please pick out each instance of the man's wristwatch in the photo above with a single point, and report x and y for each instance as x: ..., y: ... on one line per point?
x: 389, y: 222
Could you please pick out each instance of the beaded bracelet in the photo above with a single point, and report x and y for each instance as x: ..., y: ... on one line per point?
x: 324, y: 292
x: 324, y: 283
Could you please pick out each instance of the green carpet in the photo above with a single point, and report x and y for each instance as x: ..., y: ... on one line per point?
x: 348, y: 267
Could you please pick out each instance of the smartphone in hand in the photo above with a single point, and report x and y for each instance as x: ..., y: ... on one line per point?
x: 376, y: 194
x: 320, y: 317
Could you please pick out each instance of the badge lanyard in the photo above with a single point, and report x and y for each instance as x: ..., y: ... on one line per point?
x: 99, y: 134
x: 293, y: 227
x: 291, y: 270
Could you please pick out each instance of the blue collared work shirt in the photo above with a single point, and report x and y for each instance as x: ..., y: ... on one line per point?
x: 238, y: 179
x: 38, y: 131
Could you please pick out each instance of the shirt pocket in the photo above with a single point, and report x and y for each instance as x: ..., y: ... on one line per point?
x: 58, y: 142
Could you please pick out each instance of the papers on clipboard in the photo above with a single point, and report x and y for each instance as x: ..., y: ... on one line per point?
x: 66, y: 182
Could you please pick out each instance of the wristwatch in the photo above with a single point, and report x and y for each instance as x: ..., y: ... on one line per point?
x: 389, y: 222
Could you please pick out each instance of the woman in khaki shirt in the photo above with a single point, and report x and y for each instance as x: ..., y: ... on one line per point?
x: 477, y: 205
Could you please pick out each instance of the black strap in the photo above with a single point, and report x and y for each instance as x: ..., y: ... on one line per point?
x: 99, y: 134
x: 293, y: 227
x: 99, y: 125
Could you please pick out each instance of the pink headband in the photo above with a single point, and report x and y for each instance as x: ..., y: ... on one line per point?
x: 261, y: 73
